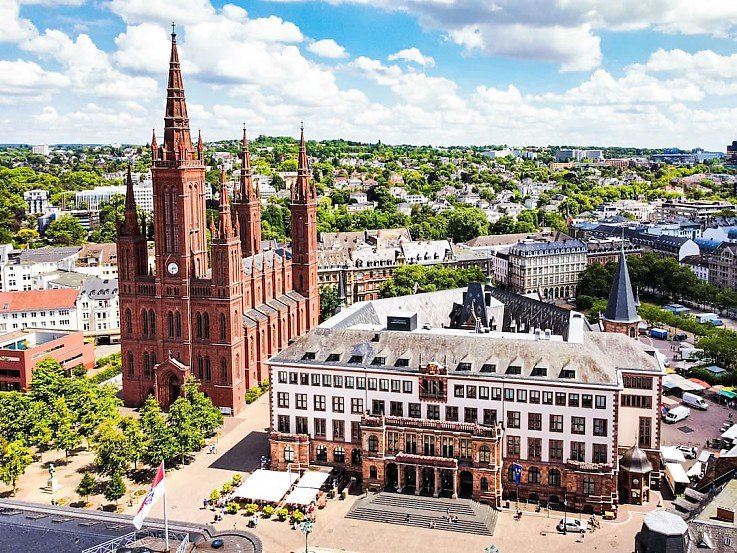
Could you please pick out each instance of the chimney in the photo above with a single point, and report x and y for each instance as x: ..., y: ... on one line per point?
x: 725, y: 514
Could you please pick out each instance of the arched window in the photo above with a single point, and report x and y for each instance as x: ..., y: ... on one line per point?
x: 510, y: 474
x: 131, y: 363
x: 356, y: 457
x: 170, y: 323
x: 553, y: 477
x: 373, y: 443
x: 484, y: 485
x: 339, y: 455
x: 178, y: 324
x: 153, y: 360
x: 322, y: 453
x: 484, y: 454
x: 144, y: 322
x: 373, y: 473
x: 208, y: 371
x: 533, y: 475
x: 223, y: 371
x: 237, y: 366
x: 199, y: 325
x: 200, y: 365
x: 289, y: 454
x: 152, y: 322
x: 128, y: 322
x: 146, y: 364
x: 206, y: 325
x: 223, y: 328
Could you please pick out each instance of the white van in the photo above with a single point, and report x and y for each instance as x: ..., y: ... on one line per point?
x: 677, y: 414
x: 695, y: 401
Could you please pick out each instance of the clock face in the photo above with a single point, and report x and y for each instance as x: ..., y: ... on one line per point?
x: 173, y: 268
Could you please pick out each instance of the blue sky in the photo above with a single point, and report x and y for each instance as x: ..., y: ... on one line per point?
x: 516, y: 72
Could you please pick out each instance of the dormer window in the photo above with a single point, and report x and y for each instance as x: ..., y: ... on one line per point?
x: 567, y: 373
x: 309, y: 356
x: 514, y: 369
x: 333, y: 357
x: 379, y: 361
x: 356, y: 359
x: 463, y: 367
x: 488, y: 368
x: 539, y: 371
x: 402, y: 362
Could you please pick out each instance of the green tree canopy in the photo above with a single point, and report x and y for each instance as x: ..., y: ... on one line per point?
x: 14, y: 459
x: 65, y: 231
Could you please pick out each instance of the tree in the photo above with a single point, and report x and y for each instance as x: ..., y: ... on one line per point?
x: 64, y: 434
x: 27, y: 236
x: 87, y: 486
x: 136, y: 440
x: 14, y: 459
x: 206, y: 416
x: 47, y: 380
x: 185, y: 429
x: 112, y: 450
x: 721, y: 345
x: 328, y: 302
x: 65, y: 231
x: 161, y: 445
x: 115, y: 489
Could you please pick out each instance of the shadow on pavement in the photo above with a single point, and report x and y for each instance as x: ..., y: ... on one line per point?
x: 245, y: 455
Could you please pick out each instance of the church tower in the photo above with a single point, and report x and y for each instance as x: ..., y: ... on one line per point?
x: 132, y: 251
x: 621, y: 309
x: 248, y: 207
x: 304, y: 238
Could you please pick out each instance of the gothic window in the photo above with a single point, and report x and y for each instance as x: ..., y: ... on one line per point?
x: 223, y: 371
x: 170, y: 323
x: 199, y: 324
x: 146, y: 364
x: 200, y: 371
x: 206, y: 325
x: 128, y: 322
x: 152, y: 322
x: 153, y: 360
x: 223, y: 328
x: 129, y: 357
x: 339, y: 455
x: 144, y: 322
x: 208, y: 370
x: 237, y: 366
x: 178, y: 324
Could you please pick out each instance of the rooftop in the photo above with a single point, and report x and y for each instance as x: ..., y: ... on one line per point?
x: 37, y: 300
x: 725, y: 499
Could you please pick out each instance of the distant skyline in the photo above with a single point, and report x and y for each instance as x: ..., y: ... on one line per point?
x: 519, y: 72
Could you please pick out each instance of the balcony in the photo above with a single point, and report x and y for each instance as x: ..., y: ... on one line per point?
x: 586, y: 466
x: 494, y: 432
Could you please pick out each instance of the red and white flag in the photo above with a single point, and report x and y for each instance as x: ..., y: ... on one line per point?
x: 157, y: 490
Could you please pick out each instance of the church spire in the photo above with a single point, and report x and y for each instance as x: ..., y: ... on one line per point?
x: 303, y: 190
x: 154, y: 146
x: 621, y: 309
x: 248, y: 208
x: 177, y: 139
x: 130, y: 215
x: 200, y: 146
x: 225, y: 223
x: 247, y: 190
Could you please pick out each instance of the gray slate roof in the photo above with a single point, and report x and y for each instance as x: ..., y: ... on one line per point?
x: 621, y: 306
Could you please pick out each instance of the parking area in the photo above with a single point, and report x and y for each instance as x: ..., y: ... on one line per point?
x: 699, y: 427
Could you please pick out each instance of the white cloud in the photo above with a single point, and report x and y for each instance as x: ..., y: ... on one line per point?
x: 22, y: 80
x: 414, y: 55
x: 327, y: 48
x: 162, y: 11
x: 143, y: 48
x: 13, y: 27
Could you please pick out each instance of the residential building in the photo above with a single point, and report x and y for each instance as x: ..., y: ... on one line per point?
x: 443, y: 392
x: 21, y: 351
x: 723, y: 266
x: 20, y: 269
x: 713, y: 528
x: 52, y: 309
x: 37, y: 201
x: 606, y: 250
x: 96, y: 197
x: 100, y: 260
x: 41, y: 150
x: 212, y: 311
x: 699, y: 265
x: 692, y: 209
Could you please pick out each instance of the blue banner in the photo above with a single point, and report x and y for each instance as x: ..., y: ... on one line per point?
x: 517, y: 470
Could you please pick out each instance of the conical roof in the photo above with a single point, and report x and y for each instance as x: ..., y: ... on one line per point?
x: 621, y: 306
x: 635, y: 461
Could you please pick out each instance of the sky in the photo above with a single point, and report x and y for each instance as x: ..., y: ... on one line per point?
x: 641, y: 73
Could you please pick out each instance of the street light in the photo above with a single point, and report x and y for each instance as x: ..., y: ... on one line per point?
x: 565, y: 518
x: 306, y: 528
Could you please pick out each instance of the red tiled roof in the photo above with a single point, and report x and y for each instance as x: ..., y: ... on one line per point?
x: 37, y: 300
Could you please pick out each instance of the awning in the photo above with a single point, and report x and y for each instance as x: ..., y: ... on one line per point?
x: 727, y: 394
x: 670, y: 454
x: 730, y: 433
x: 313, y: 479
x: 716, y: 389
x: 671, y: 381
x: 266, y: 485
x: 301, y: 496
x: 677, y: 473
x: 704, y: 385
x: 694, y: 471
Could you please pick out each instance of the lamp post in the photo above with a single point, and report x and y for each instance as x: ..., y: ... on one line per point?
x: 564, y: 514
x: 306, y: 528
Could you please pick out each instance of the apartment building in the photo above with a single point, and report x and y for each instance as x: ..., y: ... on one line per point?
x: 723, y: 266
x: 52, y: 309
x: 443, y: 392
x: 549, y: 267
x: 21, y: 269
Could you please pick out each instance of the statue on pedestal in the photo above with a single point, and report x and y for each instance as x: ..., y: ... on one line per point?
x: 52, y: 483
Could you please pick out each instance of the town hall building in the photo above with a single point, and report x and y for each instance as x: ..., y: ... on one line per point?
x: 213, y: 312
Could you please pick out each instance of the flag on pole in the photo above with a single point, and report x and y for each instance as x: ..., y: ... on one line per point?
x: 157, y: 490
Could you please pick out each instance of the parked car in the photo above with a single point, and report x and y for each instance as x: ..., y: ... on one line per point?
x: 571, y: 525
x: 688, y: 451
x: 680, y: 337
x: 677, y: 414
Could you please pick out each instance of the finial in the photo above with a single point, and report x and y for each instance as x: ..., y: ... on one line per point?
x: 301, y: 125
x: 173, y: 30
x: 244, y: 126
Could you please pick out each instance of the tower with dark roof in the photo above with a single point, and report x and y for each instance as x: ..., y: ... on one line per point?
x: 621, y: 309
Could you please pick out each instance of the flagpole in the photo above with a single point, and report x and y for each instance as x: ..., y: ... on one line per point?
x: 166, y: 514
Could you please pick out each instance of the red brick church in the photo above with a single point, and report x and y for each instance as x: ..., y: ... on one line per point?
x: 216, y: 313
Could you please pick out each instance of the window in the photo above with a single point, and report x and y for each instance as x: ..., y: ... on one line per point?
x: 463, y: 367
x: 300, y: 401
x: 451, y: 414
x: 144, y: 322
x: 638, y: 382
x: 206, y: 325
x: 338, y: 430
x: 410, y: 443
x: 349, y: 381
x: 589, y: 486
x: 338, y: 404
x: 534, y: 396
x: 560, y: 398
x: 301, y: 423
x: 289, y: 454
x: 223, y: 372
x: 308, y: 356
x: 465, y: 452
x: 396, y: 384
x: 384, y: 384
x: 553, y: 477
x: 556, y: 423
x: 645, y: 436
x: 533, y: 475
x: 483, y: 392
x: 522, y: 396
x: 293, y: 378
x: 356, y: 406
x: 178, y: 324
x: 373, y: 473
x: 600, y: 427
x: 402, y: 362
x: 578, y: 451
x: 484, y: 454
x: 208, y: 369
x: 339, y: 455
x: 489, y: 416
x: 392, y: 441
x: 471, y: 414
x: 356, y: 359
x: 510, y: 474
x: 338, y: 381
x: 379, y: 361
x: 513, y: 419
x: 496, y: 394
x: 428, y: 445
x: 283, y: 423
x: 414, y: 410
x: 471, y: 392
x: 578, y: 425
x: 282, y: 400
x: 534, y: 421
x: 322, y: 453
x: 396, y: 409
x: 555, y: 450
x: 599, y: 453
x: 488, y: 368
x: 601, y: 402
x: 407, y: 386
x: 547, y: 398
x: 373, y: 443
x: 587, y: 401
x: 508, y: 394
x: 319, y: 403
x: 282, y: 376
x: 356, y: 432
x: 433, y: 412
x: 372, y: 383
x: 534, y: 448
x: 333, y: 357
x: 643, y: 402
x: 327, y: 381
x: 128, y: 322
x: 316, y: 380
x: 513, y: 445
x: 377, y: 407
x: 458, y: 390
x: 320, y: 428
x: 446, y: 446
x: 573, y: 400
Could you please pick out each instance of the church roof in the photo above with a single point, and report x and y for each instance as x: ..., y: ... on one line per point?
x: 621, y: 306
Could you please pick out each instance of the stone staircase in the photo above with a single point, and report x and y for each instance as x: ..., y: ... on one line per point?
x: 419, y: 511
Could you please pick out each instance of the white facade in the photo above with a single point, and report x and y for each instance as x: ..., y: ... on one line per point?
x: 41, y: 149
x: 143, y: 194
x: 16, y: 274
x: 37, y: 201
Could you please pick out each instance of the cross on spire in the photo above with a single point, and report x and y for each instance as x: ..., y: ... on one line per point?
x: 173, y: 29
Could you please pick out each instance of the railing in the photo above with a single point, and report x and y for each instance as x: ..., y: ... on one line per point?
x: 112, y: 545
x: 472, y: 428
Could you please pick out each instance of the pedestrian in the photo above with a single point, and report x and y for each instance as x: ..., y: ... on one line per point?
x: 204, y: 503
x: 406, y: 517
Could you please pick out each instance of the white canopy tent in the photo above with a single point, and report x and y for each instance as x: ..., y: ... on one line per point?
x: 313, y: 479
x: 695, y: 470
x: 670, y: 454
x: 266, y: 485
x: 678, y: 381
x: 301, y: 496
